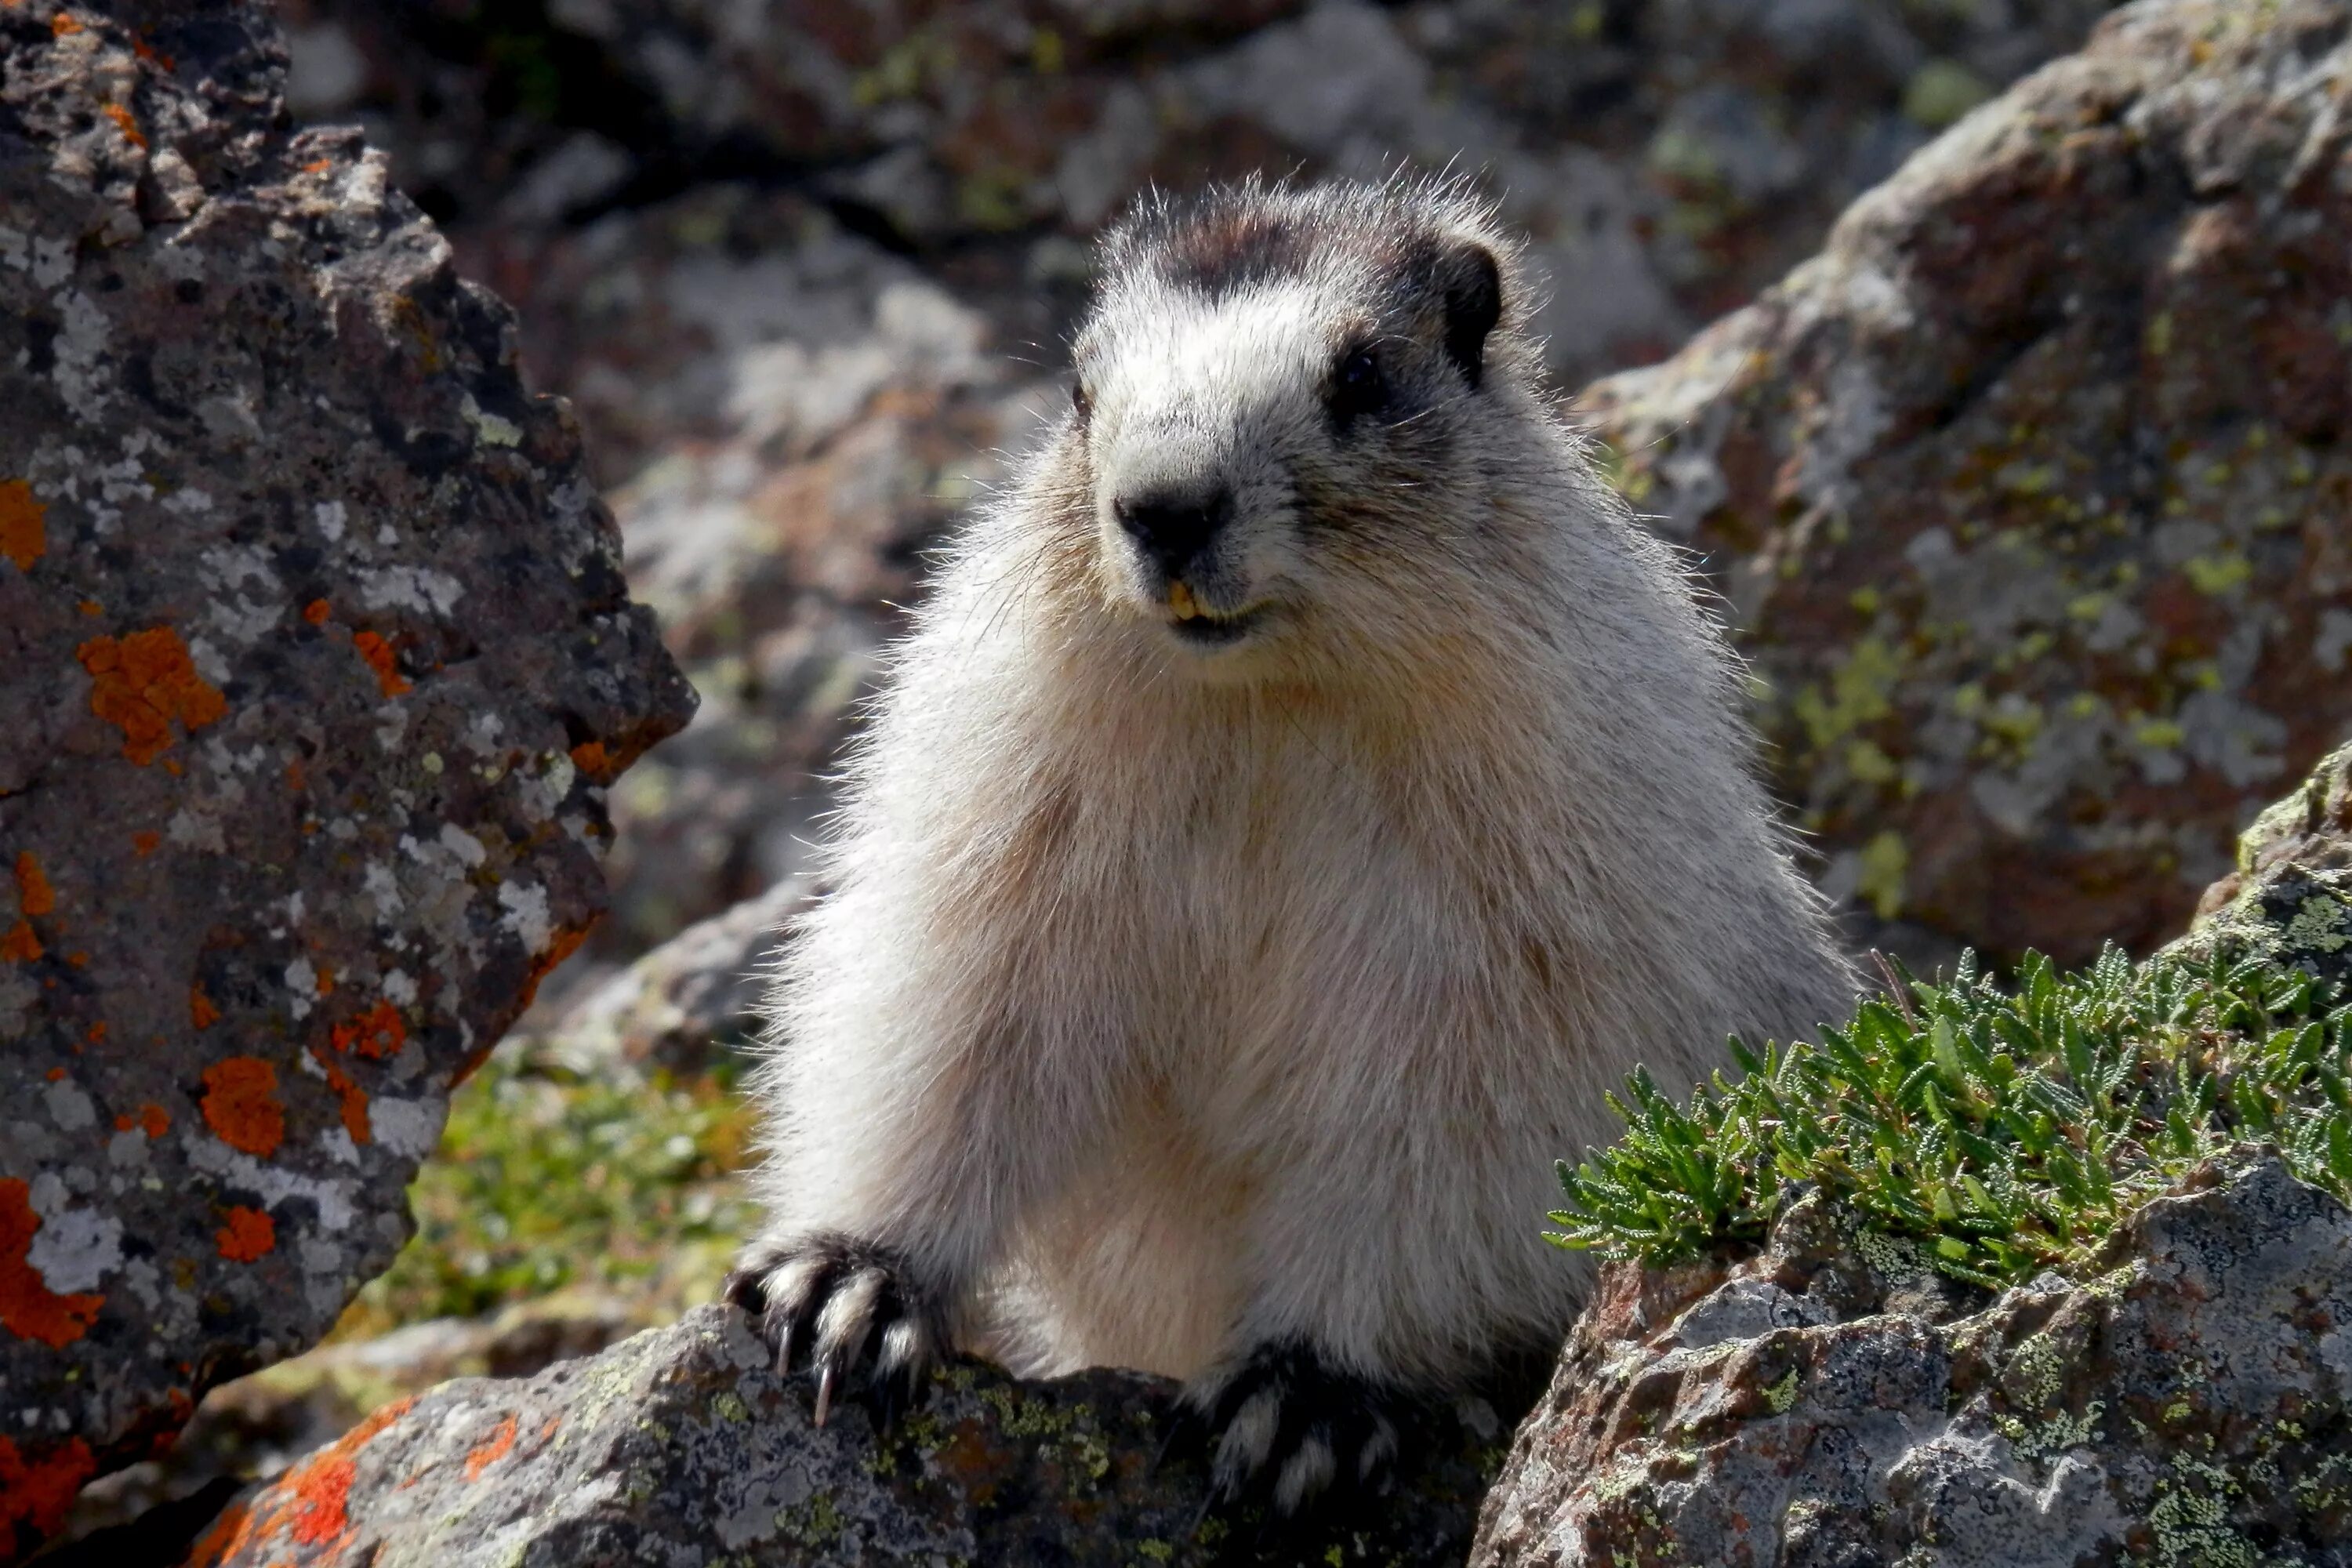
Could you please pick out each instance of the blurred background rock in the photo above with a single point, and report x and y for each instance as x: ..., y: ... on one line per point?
x: 805, y: 266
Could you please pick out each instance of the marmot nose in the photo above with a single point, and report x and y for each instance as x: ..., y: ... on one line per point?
x: 1173, y: 526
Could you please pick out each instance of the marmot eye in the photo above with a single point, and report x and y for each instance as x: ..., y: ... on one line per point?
x: 1358, y: 388
x: 1079, y: 400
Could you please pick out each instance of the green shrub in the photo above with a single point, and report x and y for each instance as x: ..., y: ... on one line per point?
x: 2007, y: 1132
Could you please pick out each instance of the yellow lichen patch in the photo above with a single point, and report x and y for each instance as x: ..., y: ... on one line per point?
x: 145, y: 681
x: 23, y: 537
x: 1885, y: 861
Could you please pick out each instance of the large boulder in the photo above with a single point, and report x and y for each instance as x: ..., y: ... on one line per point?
x: 2183, y: 1398
x: 315, y: 664
x: 2185, y: 1404
x: 683, y: 1446
x: 2030, y: 494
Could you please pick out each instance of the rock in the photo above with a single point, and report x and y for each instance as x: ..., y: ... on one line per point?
x: 2289, y: 898
x: 687, y: 247
x: 319, y: 662
x: 2187, y: 1405
x: 811, y: 412
x: 2029, y: 493
x: 682, y: 1445
x: 1669, y: 159
x: 683, y: 1003
x: 255, y: 1428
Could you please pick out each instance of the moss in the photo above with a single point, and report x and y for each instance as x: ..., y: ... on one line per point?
x: 545, y: 1181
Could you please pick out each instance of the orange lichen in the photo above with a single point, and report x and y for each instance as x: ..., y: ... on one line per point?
x: 589, y: 757
x: 241, y: 1107
x: 567, y: 942
x: 91, y: 607
x: 471, y: 1065
x: 321, y: 1494
x: 61, y: 24
x: 78, y: 959
x: 490, y: 1449
x: 310, y: 1502
x: 378, y: 654
x: 316, y: 612
x: 96, y: 1034
x: 376, y: 1034
x: 37, y: 1492
x: 249, y: 1233
x: 317, y: 165
x: 23, y: 537
x: 227, y: 1530
x: 147, y: 51
x: 29, y: 1307
x: 142, y: 683
x: 20, y: 943
x: 154, y: 1119
x: 144, y: 842
x: 34, y: 894
x: 325, y: 981
x: 201, y: 1011
x: 128, y: 123
x: 354, y: 1099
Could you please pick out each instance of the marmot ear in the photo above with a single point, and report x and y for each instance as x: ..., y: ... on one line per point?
x: 1473, y: 285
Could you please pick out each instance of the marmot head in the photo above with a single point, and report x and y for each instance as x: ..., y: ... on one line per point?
x: 1287, y: 412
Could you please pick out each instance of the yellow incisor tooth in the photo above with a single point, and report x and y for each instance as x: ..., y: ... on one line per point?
x: 1180, y: 599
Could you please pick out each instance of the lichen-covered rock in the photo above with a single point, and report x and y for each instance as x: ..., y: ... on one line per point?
x: 682, y: 1445
x: 2031, y: 493
x: 315, y: 662
x: 1834, y: 1404
x: 2289, y: 898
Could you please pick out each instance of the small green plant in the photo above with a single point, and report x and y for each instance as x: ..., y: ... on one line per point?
x: 546, y: 1179
x: 2005, y: 1131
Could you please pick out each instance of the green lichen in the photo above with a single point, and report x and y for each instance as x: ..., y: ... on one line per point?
x: 814, y: 1522
x: 1779, y: 1397
x: 1881, y: 872
x: 1859, y: 692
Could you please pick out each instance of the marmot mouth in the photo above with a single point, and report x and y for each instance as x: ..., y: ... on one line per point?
x: 1197, y: 624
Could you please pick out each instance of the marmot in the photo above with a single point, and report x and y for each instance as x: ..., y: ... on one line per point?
x: 1306, y: 791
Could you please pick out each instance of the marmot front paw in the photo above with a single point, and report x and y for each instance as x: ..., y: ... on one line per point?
x: 837, y: 1299
x: 1287, y: 1426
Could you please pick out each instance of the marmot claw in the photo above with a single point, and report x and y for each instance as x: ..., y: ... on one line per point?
x: 842, y: 1299
x: 1284, y: 1425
